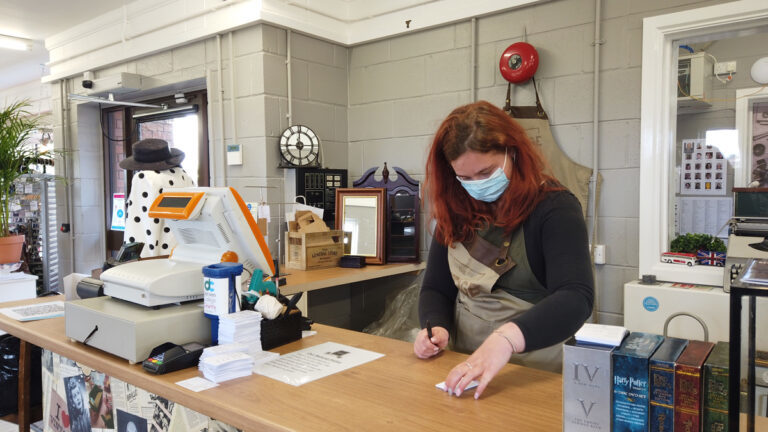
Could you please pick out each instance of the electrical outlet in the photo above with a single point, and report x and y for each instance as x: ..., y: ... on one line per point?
x: 599, y: 254
x: 722, y: 68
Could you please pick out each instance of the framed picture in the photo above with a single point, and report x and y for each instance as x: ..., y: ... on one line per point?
x: 360, y: 213
x: 752, y: 126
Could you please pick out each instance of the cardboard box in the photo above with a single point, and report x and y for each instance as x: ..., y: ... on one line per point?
x: 715, y: 392
x: 314, y: 250
x: 662, y: 382
x: 631, y: 369
x: 587, y: 383
x: 688, y: 385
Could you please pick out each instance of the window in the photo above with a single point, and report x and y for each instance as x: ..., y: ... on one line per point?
x: 670, y: 131
x: 183, y: 123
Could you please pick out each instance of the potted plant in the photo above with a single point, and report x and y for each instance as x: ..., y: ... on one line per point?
x: 709, y: 250
x: 17, y: 155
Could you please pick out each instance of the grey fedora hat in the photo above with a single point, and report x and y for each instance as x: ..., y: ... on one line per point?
x: 152, y: 154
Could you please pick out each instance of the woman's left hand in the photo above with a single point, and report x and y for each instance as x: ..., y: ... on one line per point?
x: 485, y: 362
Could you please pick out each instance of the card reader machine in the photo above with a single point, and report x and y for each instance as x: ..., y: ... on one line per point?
x: 170, y: 357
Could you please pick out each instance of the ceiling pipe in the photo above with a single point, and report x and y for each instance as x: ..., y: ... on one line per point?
x: 595, y: 146
x: 473, y: 60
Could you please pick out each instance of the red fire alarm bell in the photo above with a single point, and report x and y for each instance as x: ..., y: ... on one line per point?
x: 519, y: 62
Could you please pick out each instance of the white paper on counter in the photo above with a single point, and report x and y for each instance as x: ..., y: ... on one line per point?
x: 309, y: 364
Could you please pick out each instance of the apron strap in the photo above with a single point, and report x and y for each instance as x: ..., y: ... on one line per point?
x: 525, y: 112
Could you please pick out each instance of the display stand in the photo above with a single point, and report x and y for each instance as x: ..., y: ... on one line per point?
x: 739, y: 289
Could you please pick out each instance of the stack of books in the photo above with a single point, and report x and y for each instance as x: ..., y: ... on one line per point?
x: 241, y: 327
x: 225, y: 362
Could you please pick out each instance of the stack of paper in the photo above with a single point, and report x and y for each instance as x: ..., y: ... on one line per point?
x: 224, y: 367
x: 601, y: 334
x: 241, y: 327
x: 223, y: 349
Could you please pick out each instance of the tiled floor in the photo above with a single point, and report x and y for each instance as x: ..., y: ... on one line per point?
x: 8, y: 427
x: 13, y: 427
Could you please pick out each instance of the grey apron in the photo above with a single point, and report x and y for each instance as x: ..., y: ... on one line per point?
x: 573, y: 176
x: 495, y: 285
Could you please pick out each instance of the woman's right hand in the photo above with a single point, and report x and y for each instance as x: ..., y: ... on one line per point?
x: 423, y: 347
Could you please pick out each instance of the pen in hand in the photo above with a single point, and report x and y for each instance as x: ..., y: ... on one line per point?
x: 429, y: 331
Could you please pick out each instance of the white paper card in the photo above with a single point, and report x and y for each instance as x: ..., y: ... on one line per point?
x: 472, y: 384
x: 36, y: 311
x: 601, y: 334
x: 197, y: 384
x: 309, y: 364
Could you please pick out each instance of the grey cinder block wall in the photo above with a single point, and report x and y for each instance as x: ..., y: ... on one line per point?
x: 382, y: 101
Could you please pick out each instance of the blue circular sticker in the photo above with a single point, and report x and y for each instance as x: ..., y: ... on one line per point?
x: 119, y: 213
x: 650, y: 304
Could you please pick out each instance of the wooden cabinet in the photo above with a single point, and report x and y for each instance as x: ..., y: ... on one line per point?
x: 402, y: 212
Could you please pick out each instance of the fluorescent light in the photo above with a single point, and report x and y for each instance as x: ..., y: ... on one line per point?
x: 15, y: 43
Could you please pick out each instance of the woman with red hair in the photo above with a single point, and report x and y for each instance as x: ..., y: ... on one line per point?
x: 509, y: 275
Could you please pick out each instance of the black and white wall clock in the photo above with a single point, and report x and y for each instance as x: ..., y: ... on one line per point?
x: 299, y: 147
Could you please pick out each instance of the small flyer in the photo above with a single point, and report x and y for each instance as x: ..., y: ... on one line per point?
x: 118, y: 212
x: 309, y: 364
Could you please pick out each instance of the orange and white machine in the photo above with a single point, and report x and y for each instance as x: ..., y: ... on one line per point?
x: 211, y: 225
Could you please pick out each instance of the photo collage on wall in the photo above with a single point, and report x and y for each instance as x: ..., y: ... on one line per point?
x: 759, y: 144
x: 703, y: 169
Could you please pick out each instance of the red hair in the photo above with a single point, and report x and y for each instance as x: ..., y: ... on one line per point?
x: 483, y: 128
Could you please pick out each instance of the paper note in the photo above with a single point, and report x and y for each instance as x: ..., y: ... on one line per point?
x: 309, y: 364
x: 197, y: 384
x: 472, y: 384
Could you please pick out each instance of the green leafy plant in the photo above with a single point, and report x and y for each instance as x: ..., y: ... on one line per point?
x: 17, y: 153
x: 692, y: 242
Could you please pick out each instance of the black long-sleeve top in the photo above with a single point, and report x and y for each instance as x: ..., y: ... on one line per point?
x: 557, y: 248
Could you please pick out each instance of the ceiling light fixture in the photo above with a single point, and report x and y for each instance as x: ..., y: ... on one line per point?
x: 15, y: 43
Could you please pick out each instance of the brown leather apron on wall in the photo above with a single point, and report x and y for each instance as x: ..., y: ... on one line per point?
x: 496, y: 284
x: 573, y: 176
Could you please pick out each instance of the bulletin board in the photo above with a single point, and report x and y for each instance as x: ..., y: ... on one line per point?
x: 703, y: 169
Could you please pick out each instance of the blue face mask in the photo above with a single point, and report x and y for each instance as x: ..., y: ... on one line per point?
x: 488, y: 189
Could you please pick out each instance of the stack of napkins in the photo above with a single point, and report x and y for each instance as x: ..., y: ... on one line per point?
x: 225, y: 362
x: 240, y: 327
x: 601, y: 334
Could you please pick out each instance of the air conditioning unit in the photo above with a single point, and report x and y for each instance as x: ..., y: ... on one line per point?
x: 694, y: 82
x: 122, y: 82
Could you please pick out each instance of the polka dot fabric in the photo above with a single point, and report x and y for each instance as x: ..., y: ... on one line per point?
x: 145, y: 187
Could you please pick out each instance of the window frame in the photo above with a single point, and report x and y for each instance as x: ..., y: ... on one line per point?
x: 114, y: 239
x: 659, y: 114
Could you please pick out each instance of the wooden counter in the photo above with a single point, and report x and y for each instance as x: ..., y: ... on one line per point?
x: 310, y: 280
x: 395, y: 392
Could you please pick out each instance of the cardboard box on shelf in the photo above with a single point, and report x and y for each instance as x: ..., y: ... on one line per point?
x: 310, y: 245
x: 313, y: 250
